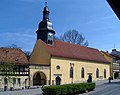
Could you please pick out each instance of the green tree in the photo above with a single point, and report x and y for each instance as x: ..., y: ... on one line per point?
x: 7, y: 72
x: 73, y: 36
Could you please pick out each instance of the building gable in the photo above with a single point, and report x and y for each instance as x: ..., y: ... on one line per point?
x: 39, y: 54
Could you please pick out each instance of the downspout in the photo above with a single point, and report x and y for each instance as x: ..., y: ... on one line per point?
x: 50, y: 72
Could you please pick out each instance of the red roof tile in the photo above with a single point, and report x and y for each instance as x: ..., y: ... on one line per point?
x: 12, y: 55
x: 67, y: 50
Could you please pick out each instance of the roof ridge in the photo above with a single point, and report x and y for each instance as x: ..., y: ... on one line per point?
x: 9, y: 48
x: 69, y: 50
x: 76, y: 45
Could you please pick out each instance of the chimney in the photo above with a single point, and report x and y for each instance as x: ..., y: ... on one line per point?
x: 107, y: 52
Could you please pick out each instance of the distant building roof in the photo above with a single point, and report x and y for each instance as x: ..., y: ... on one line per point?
x: 115, y: 55
x: 67, y: 50
x: 13, y: 55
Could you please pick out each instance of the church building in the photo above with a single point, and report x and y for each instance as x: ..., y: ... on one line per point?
x: 54, y: 62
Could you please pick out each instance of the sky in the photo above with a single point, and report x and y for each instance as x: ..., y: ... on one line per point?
x: 95, y: 19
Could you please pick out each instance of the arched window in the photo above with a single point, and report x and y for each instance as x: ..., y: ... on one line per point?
x: 71, y: 72
x: 50, y: 38
x: 97, y: 73
x: 5, y: 81
x: 104, y: 73
x: 82, y: 72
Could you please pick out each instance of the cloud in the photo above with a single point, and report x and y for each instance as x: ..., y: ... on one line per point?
x: 32, y: 1
x: 9, y: 35
x: 99, y: 20
x: 22, y: 39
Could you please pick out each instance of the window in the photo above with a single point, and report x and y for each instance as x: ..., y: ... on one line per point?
x: 17, y: 69
x: 50, y: 38
x: 5, y: 81
x: 22, y: 68
x: 71, y: 72
x: 97, y: 73
x: 19, y: 81
x: 57, y: 67
x: 14, y: 80
x: 82, y: 72
x: 104, y: 73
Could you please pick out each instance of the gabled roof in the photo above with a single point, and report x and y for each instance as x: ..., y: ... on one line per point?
x: 106, y: 53
x: 13, y: 55
x: 67, y: 50
x: 115, y: 53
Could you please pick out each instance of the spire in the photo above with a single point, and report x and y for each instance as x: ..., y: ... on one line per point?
x: 45, y: 30
x: 45, y: 3
x: 46, y: 12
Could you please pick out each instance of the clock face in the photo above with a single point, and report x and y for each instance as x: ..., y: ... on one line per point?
x: 50, y: 38
x: 50, y: 35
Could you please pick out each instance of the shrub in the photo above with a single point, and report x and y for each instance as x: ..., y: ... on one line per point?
x: 68, y: 89
x: 90, y: 86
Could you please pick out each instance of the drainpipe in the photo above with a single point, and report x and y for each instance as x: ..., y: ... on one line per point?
x: 50, y: 80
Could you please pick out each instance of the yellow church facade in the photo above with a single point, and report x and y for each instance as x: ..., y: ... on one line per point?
x: 51, y: 67
x: 89, y: 68
x: 55, y: 62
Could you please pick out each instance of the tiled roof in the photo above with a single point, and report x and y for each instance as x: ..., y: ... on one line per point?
x: 115, y: 53
x: 13, y: 55
x: 67, y: 50
x: 106, y: 53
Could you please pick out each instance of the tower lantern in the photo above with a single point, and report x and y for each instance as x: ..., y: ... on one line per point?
x: 45, y: 30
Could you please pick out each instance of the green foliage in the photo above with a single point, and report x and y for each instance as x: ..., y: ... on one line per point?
x: 90, y: 86
x: 7, y: 71
x: 68, y: 89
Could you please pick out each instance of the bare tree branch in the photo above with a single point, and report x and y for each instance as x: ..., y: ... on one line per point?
x: 73, y: 36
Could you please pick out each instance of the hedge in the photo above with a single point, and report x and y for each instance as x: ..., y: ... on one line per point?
x: 68, y: 89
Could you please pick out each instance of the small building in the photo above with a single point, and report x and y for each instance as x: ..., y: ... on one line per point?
x: 20, y: 74
x: 110, y: 59
x: 54, y: 62
x: 116, y: 63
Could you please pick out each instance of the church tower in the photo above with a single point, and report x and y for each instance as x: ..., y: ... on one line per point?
x: 45, y: 30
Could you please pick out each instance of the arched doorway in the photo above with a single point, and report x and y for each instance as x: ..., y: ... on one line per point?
x: 39, y: 78
x: 58, y: 80
x: 116, y: 75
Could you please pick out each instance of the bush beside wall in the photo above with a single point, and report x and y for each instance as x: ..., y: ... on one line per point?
x: 68, y: 89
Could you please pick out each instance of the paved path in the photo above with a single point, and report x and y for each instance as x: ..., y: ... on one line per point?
x: 112, y: 88
x: 23, y: 92
x: 102, y: 88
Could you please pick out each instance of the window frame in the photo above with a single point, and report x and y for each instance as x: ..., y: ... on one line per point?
x: 105, y: 73
x: 71, y: 72
x: 97, y: 73
x: 50, y: 38
x: 82, y: 72
x: 58, y: 67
